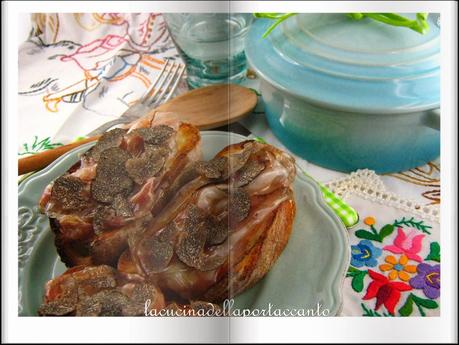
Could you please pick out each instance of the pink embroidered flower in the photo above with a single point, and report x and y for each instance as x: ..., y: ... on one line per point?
x: 410, y: 244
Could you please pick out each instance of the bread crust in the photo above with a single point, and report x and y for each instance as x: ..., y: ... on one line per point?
x: 260, y: 258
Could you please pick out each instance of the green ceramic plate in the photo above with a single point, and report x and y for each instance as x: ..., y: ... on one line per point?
x: 309, y: 272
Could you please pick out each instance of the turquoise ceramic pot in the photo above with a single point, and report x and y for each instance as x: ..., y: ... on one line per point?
x: 348, y: 95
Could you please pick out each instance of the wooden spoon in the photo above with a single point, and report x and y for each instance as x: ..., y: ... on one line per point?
x: 206, y: 108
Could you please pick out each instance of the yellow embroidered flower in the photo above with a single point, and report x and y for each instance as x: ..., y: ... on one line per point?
x: 399, y: 268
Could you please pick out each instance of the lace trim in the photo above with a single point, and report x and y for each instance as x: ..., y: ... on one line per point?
x: 367, y: 184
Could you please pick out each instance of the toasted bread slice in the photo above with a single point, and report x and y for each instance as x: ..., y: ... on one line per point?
x: 93, y: 228
x: 187, y: 257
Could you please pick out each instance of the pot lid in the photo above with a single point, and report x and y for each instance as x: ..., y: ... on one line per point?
x: 361, y: 65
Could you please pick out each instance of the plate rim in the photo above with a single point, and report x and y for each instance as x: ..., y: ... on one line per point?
x: 336, y: 287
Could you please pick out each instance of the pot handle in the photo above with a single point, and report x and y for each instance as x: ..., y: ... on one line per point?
x: 432, y: 119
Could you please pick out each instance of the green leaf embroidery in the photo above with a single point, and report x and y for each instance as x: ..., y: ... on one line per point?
x: 357, y: 278
x: 357, y: 281
x: 374, y: 235
x: 386, y: 231
x: 367, y: 311
x: 411, y: 222
x: 426, y: 303
x: 407, y: 308
x: 351, y: 270
x: 38, y: 146
x: 367, y: 235
x: 434, y: 254
x: 370, y: 312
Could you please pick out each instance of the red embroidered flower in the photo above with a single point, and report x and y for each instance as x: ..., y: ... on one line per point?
x: 386, y: 292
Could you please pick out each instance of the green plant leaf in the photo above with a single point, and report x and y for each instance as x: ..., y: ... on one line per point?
x: 370, y: 312
x: 407, y: 308
x: 426, y: 303
x: 367, y: 235
x: 386, y: 231
x: 351, y: 271
x: 357, y: 281
x: 434, y: 254
x: 411, y: 222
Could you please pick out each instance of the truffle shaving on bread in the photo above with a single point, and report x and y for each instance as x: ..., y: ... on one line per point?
x: 113, y: 189
x: 99, y: 291
x: 218, y: 238
x: 103, y: 291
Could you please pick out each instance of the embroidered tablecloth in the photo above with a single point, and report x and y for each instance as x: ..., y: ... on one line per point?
x: 78, y: 71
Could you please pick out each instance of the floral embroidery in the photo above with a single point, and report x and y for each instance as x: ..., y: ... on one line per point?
x: 385, y: 291
x: 410, y: 244
x: 398, y: 268
x: 369, y: 221
x: 428, y: 279
x: 365, y: 254
x: 406, y: 271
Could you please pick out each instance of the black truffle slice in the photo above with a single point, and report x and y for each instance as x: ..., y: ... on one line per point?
x: 238, y: 205
x: 147, y: 165
x: 101, y: 214
x: 122, y: 206
x: 248, y: 173
x: 104, y: 303
x: 109, y: 139
x: 157, y: 135
x: 111, y: 176
x: 190, y: 245
x: 156, y: 251
x: 191, y: 242
x: 60, y: 307
x: 69, y: 192
x: 223, y: 167
x: 214, y: 169
x: 217, y: 231
x: 140, y: 294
